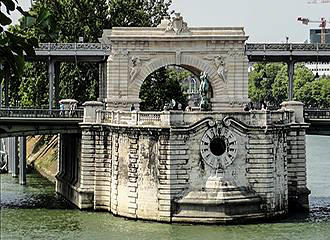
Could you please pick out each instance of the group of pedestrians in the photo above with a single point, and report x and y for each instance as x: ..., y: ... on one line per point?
x: 72, y: 111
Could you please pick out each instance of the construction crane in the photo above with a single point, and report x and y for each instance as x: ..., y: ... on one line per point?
x: 318, y: 1
x: 322, y: 22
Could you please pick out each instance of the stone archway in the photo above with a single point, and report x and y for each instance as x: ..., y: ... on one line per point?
x: 138, y: 52
x: 193, y: 65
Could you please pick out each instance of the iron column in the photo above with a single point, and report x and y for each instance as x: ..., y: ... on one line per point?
x: 11, y: 153
x: 56, y: 84
x: 290, y: 75
x: 51, y: 80
x: 15, y: 157
x: 22, y: 162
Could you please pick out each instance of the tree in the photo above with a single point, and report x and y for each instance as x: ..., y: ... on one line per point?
x: 161, y: 87
x: 280, y: 86
x: 87, y: 19
x: 33, y: 81
x: 269, y: 83
x: 261, y: 80
x: 137, y: 13
x: 13, y: 46
x: 316, y: 94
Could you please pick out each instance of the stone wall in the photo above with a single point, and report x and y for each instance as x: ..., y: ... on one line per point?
x: 225, y: 167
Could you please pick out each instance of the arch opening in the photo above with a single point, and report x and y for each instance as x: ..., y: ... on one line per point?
x: 171, y: 87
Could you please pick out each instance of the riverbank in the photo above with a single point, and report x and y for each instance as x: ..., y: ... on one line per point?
x: 42, y: 154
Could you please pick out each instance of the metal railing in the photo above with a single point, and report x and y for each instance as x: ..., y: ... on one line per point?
x: 73, y: 46
x: 40, y: 113
x: 317, y: 114
x: 286, y: 47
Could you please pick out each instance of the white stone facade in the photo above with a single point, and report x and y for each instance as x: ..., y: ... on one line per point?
x: 157, y: 165
x: 321, y: 68
x: 138, y: 52
x: 218, y: 166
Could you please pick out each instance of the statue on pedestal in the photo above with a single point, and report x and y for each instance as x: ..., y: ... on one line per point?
x: 203, y: 90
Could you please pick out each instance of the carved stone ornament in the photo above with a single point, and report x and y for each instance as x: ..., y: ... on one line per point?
x: 136, y: 67
x: 176, y: 25
x: 218, y: 146
x: 220, y: 66
x: 137, y: 63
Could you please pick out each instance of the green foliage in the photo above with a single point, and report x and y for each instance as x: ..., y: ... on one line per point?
x: 161, y: 87
x: 269, y: 83
x: 74, y: 19
x: 40, y: 23
x: 280, y: 86
x: 79, y: 81
x: 261, y: 80
x: 34, y: 81
x: 71, y: 19
x: 137, y: 13
x: 13, y: 45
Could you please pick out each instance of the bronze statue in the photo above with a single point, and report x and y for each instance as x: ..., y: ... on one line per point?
x: 203, y: 90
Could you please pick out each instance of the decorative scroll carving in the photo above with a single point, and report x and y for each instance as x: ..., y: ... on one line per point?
x: 176, y: 25
x: 223, y: 155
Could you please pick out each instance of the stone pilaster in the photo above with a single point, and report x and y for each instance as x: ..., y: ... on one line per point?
x: 114, y: 173
x: 296, y: 157
x: 133, y: 174
x: 173, y: 177
x: 260, y: 168
x: 102, y: 181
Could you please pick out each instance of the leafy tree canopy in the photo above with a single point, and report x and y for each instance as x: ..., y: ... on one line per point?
x: 71, y: 19
x: 161, y: 87
x: 269, y: 83
x: 13, y: 45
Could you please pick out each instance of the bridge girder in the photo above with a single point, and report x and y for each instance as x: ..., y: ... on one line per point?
x: 10, y: 127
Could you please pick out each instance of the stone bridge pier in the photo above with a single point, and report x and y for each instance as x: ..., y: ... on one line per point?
x: 175, y: 166
x: 218, y: 166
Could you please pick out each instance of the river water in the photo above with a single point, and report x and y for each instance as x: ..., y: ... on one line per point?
x: 35, y: 212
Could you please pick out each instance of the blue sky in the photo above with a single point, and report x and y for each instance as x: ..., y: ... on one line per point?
x: 263, y: 20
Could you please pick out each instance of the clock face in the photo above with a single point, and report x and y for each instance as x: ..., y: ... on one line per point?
x: 218, y: 147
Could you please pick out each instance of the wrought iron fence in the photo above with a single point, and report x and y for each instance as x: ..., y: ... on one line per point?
x: 41, y: 113
x: 317, y: 113
x: 73, y: 46
x: 286, y: 47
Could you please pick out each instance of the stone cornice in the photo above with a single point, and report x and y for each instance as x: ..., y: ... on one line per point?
x: 159, y: 34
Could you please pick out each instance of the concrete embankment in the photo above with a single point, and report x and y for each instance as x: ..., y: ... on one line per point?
x: 42, y: 155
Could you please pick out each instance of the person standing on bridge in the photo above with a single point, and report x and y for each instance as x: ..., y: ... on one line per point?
x: 61, y: 109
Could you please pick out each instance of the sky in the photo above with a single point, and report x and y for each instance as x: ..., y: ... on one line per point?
x: 263, y: 20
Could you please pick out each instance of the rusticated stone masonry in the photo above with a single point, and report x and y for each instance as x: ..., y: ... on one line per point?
x: 87, y: 160
x: 133, y: 174
x: 176, y: 173
x: 102, y: 182
x: 298, y: 192
x: 173, y: 177
x: 260, y: 165
x: 114, y: 177
x: 266, y: 169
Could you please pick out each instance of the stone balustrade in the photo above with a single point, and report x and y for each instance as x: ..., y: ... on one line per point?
x: 181, y: 118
